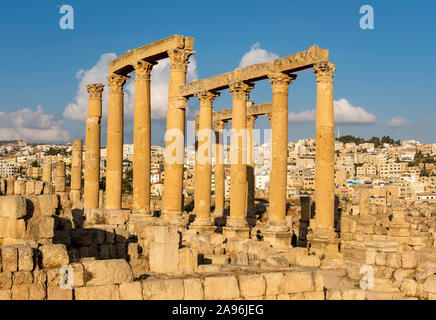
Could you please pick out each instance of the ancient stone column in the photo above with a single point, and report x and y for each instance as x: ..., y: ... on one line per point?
x: 238, y: 166
x: 142, y: 138
x: 59, y: 176
x: 196, y: 193
x: 324, y: 158
x: 114, y: 146
x: 172, y: 200
x: 76, y: 170
x: 251, y: 120
x: 204, y: 162
x: 278, y: 232
x: 46, y: 173
x: 92, y: 146
x: 219, y: 174
x: 364, y: 201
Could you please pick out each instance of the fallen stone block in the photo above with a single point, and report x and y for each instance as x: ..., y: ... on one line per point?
x: 106, y: 272
x: 54, y: 256
x: 13, y: 207
x: 430, y: 284
x: 164, y: 257
x: 166, y: 234
x: 169, y: 289
x: 220, y: 288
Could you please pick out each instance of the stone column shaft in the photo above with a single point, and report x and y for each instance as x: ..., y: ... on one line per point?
x: 364, y: 202
x: 204, y: 160
x: 46, y: 173
x: 59, y: 176
x: 76, y: 170
x: 251, y: 120
x: 142, y: 138
x: 325, y: 149
x: 196, y: 128
x: 279, y: 151
x: 172, y: 201
x: 238, y: 167
x: 219, y: 174
x: 114, y: 146
x: 92, y: 146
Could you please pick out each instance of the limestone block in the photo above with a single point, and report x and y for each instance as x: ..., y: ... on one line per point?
x: 315, y: 295
x: 106, y: 272
x: 425, y: 273
x: 401, y: 274
x: 409, y: 287
x: 30, y: 187
x: 46, y: 227
x: 22, y: 277
x: 393, y: 260
x: 20, y: 187
x: 13, y: 207
x: 273, y: 297
x: 353, y: 294
x: 296, y: 281
x: 117, y: 217
x: 79, y: 274
x: 384, y: 285
x: 275, y: 283
x: 9, y: 257
x: 217, y: 259
x: 131, y: 291
x: 48, y: 204
x: 2, y: 186
x: 5, y: 280
x: 166, y: 234
x: 188, y: 260
x: 57, y: 293
x: 168, y: 289
x: 430, y: 284
x: 283, y: 297
x: 333, y: 294
x: 25, y: 258
x: 408, y: 259
x: 318, y: 281
x: 380, y: 259
x: 10, y: 186
x: 108, y: 292
x: 82, y: 237
x: 54, y: 277
x: 39, y: 276
x: 28, y: 292
x: 12, y: 228
x: 164, y: 257
x: 5, y: 295
x: 312, y: 261
x: 37, y: 292
x: 251, y: 285
x: 54, y: 256
x: 293, y: 254
x: 220, y: 288
x: 193, y: 289
x: 277, y: 260
x: 39, y: 187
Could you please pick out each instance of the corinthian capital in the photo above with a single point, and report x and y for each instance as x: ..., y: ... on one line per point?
x: 116, y: 82
x: 179, y: 58
x: 280, y: 81
x: 240, y: 89
x: 206, y: 97
x: 219, y: 125
x: 95, y: 90
x: 143, y: 69
x: 324, y: 71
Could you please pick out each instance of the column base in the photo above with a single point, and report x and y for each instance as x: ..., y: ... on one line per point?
x: 236, y: 232
x: 324, y: 243
x: 217, y: 213
x: 278, y: 234
x: 142, y: 216
x: 202, y: 225
x: 173, y: 217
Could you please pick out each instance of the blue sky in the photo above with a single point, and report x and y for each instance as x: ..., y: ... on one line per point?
x: 389, y: 71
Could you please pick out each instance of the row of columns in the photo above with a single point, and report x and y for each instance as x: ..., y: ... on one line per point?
x: 242, y: 168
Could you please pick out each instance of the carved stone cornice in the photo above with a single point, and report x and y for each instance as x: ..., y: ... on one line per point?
x: 268, y: 115
x: 179, y: 59
x: 116, y: 83
x: 240, y: 89
x: 280, y: 81
x: 324, y: 71
x: 219, y: 125
x: 95, y: 90
x: 251, y: 120
x: 143, y: 69
x: 206, y: 97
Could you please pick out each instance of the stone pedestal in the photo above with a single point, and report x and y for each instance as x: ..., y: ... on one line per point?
x: 324, y: 244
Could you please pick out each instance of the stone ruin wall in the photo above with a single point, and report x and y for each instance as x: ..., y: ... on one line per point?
x: 115, y: 257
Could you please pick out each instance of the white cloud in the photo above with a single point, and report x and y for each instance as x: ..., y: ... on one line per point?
x: 397, y: 122
x: 77, y: 110
x: 344, y: 113
x: 256, y: 55
x: 32, y: 125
